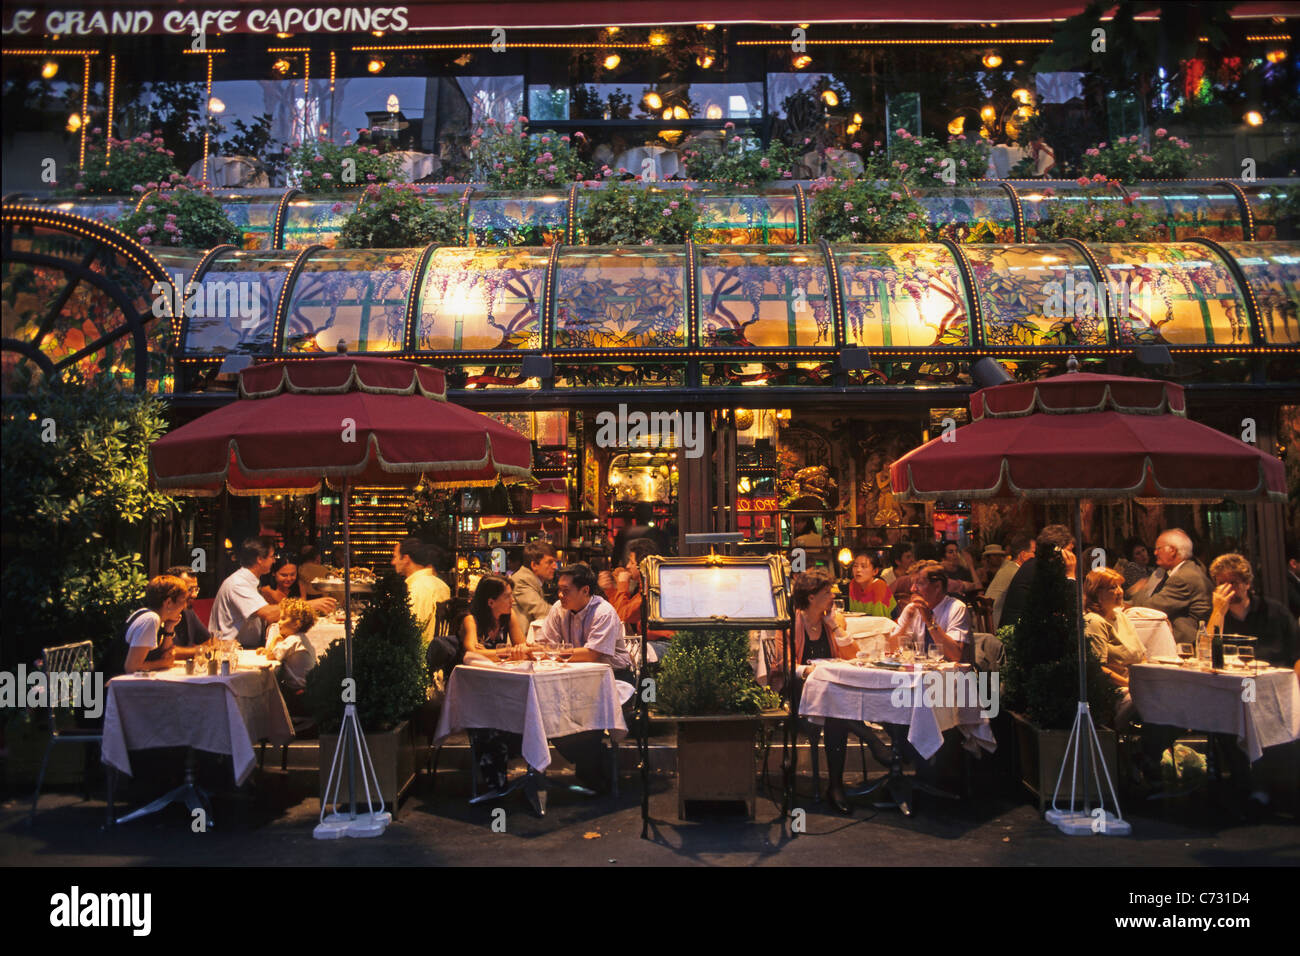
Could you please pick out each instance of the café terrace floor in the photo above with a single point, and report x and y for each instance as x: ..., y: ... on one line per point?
x: 270, y: 823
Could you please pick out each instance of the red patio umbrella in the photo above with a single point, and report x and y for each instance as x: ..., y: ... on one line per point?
x: 299, y: 426
x: 1076, y: 436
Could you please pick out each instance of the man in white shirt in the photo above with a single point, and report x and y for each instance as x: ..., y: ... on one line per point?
x: 933, y: 616
x: 1022, y: 549
x: 414, y: 560
x: 586, y: 621
x: 239, y: 611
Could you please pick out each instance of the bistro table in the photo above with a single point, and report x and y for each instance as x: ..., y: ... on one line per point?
x: 1218, y: 702
x: 224, y: 714
x: 856, y: 691
x: 537, y: 699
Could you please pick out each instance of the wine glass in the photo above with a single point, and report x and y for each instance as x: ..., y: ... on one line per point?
x: 935, y: 653
x: 1186, y: 652
x: 906, y: 650
x: 1246, y: 654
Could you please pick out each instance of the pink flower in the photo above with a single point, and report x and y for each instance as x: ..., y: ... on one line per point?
x: 137, y: 188
x: 1099, y: 178
x: 911, y: 215
x: 674, y: 204
x: 1161, y: 133
x: 728, y: 125
x: 1083, y: 180
x: 902, y: 167
x: 327, y: 176
x: 1101, y: 145
x: 857, y: 145
x: 169, y: 227
x: 371, y: 177
x: 145, y: 241
x: 1120, y: 223
x: 545, y: 140
x: 1148, y: 159
x: 736, y: 139
x: 848, y: 207
x: 491, y: 121
x: 1094, y: 151
x: 764, y: 162
x: 786, y: 174
x: 523, y: 119
x: 896, y: 196
x: 806, y: 140
x: 337, y: 207
x: 668, y: 212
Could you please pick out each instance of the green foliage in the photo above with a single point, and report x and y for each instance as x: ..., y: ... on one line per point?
x: 628, y: 214
x: 399, y: 216
x: 1099, y: 218
x: 865, y: 210
x: 708, y: 672
x: 75, y: 512
x: 1128, y: 160
x: 122, y: 166
x: 323, y: 166
x: 740, y: 161
x: 1040, y: 677
x: 255, y: 140
x: 387, y: 664
x: 510, y: 158
x: 922, y: 161
x: 181, y: 215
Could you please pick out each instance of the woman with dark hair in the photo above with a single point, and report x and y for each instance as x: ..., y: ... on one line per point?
x: 820, y: 635
x: 282, y: 582
x: 486, y: 632
x: 1136, y: 565
x: 868, y: 592
x: 487, y: 626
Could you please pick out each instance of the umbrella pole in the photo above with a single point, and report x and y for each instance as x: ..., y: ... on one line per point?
x: 1083, y: 742
x: 347, y: 638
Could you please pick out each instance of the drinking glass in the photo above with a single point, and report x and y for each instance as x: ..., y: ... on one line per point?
x: 935, y: 653
x: 1245, y: 654
x: 1186, y: 652
x: 839, y: 604
x: 1204, y: 656
x: 906, y: 650
x: 1230, y: 655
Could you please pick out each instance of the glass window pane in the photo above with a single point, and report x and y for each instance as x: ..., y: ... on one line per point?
x: 357, y: 297
x: 619, y: 298
x: 953, y: 211
x: 482, y: 299
x: 1178, y: 294
x: 902, y: 296
x: 1184, y: 212
x: 1273, y: 271
x: 215, y: 332
x: 1039, y: 295
x: 763, y: 297
x: 316, y: 219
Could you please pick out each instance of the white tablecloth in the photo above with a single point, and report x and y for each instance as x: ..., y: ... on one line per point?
x: 1153, y: 630
x: 842, y: 689
x: 416, y: 165
x: 223, y: 715
x: 231, y: 171
x: 325, y: 632
x: 1212, y: 702
x: 537, y: 703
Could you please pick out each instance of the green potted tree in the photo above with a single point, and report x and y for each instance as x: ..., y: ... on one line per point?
x: 707, y: 688
x: 1040, y: 679
x: 391, y: 681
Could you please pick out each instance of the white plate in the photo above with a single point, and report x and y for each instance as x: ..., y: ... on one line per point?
x: 1175, y: 661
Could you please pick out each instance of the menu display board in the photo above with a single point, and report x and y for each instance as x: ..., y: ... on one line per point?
x: 716, y: 591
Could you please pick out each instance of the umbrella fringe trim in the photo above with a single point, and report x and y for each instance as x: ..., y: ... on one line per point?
x: 1259, y: 492
x: 352, y: 383
x: 343, y: 472
x: 1107, y: 403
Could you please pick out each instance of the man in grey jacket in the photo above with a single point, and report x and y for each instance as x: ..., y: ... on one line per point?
x: 538, y: 567
x: 1178, y: 586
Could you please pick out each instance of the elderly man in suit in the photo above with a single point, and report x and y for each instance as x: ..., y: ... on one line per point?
x: 1178, y: 586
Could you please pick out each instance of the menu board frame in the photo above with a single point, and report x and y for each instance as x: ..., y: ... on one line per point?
x: 778, y: 576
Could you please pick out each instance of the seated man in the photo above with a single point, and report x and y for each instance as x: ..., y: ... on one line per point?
x: 537, y: 569
x: 191, y: 633
x: 589, y: 623
x: 1178, y: 587
x: 239, y: 611
x: 933, y: 616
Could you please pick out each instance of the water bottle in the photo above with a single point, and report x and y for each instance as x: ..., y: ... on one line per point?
x: 1203, y: 649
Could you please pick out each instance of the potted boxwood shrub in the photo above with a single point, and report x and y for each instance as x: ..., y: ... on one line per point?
x: 1040, y: 679
x: 391, y: 682
x: 706, y: 686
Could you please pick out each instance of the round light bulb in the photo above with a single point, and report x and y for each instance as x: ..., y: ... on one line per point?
x: 992, y: 61
x: 49, y: 69
x: 612, y: 61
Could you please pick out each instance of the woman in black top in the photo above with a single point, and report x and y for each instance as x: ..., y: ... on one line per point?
x: 485, y: 632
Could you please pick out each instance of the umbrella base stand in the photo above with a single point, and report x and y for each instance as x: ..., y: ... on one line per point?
x: 1097, y: 820
x: 345, y: 820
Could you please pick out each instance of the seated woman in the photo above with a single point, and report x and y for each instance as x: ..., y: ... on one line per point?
x: 488, y: 632
x: 819, y: 635
x: 627, y: 593
x: 150, y: 630
x: 868, y: 592
x: 1239, y: 609
x: 282, y: 582
x: 1107, y: 627
x: 286, y: 642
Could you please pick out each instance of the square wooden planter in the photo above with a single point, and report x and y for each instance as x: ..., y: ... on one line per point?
x: 394, y: 754
x: 1041, y: 753
x: 715, y: 758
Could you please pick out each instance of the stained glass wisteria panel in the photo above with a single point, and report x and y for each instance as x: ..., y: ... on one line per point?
x: 250, y: 276
x: 351, y: 296
x: 1037, y: 295
x: 517, y: 220
x: 954, y: 212
x: 1184, y: 211
x: 621, y: 298
x: 1273, y: 271
x: 1174, y: 294
x: 316, y: 220
x: 764, y: 297
x: 482, y: 299
x: 733, y: 218
x: 253, y: 217
x: 902, y: 296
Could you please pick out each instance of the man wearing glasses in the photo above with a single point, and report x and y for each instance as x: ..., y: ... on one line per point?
x: 1178, y: 587
x: 190, y: 631
x: 933, y: 616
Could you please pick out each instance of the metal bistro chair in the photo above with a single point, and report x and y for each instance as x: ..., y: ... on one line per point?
x: 66, y: 659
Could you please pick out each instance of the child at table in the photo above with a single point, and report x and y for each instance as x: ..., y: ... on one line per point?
x: 286, y: 642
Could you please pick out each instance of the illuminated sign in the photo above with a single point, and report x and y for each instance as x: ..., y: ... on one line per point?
x: 116, y: 21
